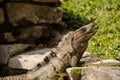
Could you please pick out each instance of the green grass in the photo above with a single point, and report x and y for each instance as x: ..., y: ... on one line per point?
x: 105, y: 14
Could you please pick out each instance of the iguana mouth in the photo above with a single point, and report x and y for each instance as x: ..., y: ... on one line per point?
x: 90, y: 33
x: 85, y: 32
x: 89, y: 29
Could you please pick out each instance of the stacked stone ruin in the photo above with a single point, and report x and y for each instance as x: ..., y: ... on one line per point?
x: 27, y: 25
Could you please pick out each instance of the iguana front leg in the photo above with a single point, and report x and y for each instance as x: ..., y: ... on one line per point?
x: 74, y: 61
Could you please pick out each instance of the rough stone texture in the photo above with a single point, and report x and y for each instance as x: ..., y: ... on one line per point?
x: 95, y: 73
x: 1, y: 16
x: 30, y: 34
x: 86, y: 54
x: 30, y: 13
x: 49, y: 0
x: 40, y: 0
x: 107, y: 62
x: 101, y: 73
x: 28, y: 60
x: 6, y: 51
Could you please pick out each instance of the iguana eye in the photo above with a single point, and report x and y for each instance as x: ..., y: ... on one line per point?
x: 83, y: 30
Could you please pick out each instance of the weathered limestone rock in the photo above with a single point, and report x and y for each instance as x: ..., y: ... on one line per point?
x: 1, y: 16
x: 53, y: 3
x: 107, y: 62
x: 40, y: 0
x: 101, y: 73
x: 49, y: 0
x: 28, y: 34
x: 28, y: 60
x: 6, y: 51
x: 24, y: 13
x: 96, y: 73
x: 33, y: 33
x: 86, y: 54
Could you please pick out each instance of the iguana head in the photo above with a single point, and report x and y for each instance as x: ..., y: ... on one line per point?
x: 81, y: 37
x: 76, y: 41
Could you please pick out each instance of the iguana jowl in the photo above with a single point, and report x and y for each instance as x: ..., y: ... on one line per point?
x: 72, y: 44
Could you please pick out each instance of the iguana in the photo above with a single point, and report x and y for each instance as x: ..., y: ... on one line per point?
x: 72, y: 45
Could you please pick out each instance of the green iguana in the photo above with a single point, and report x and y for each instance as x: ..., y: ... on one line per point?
x: 70, y: 49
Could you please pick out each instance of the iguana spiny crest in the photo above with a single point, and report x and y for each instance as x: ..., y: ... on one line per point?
x: 73, y: 43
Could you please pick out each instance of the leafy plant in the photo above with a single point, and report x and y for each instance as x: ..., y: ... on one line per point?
x: 76, y: 71
x: 60, y: 74
x: 105, y: 14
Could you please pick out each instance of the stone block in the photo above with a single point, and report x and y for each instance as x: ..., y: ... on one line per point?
x: 20, y: 13
x: 107, y: 62
x: 51, y: 1
x: 101, y: 73
x: 7, y: 51
x: 32, y: 34
x: 28, y: 60
x: 94, y: 73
